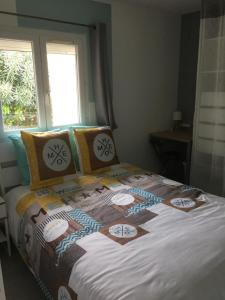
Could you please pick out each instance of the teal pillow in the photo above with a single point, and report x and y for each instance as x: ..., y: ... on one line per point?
x: 21, y: 158
x: 73, y: 144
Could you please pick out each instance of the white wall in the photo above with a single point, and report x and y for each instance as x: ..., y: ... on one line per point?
x: 145, y: 77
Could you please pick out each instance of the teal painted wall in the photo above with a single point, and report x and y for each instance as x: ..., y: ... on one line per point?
x: 81, y: 11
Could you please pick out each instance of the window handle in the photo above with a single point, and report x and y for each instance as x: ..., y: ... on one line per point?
x: 48, y: 98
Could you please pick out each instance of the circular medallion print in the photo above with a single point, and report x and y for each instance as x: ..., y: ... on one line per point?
x: 139, y: 178
x: 123, y: 231
x: 103, y: 147
x: 54, y: 229
x: 122, y: 199
x: 56, y: 155
x: 63, y: 294
x: 183, y: 202
x: 171, y: 182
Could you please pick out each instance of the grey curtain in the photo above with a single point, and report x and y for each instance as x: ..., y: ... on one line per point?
x: 101, y: 76
x: 208, y: 155
x: 212, y: 8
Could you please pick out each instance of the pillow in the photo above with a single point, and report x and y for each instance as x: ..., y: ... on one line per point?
x: 21, y: 158
x: 49, y: 156
x: 73, y: 143
x: 96, y: 148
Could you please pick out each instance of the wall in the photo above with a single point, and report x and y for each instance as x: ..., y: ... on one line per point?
x: 81, y: 11
x: 145, y: 76
x: 188, y: 65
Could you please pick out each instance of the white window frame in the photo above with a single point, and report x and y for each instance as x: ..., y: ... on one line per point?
x: 39, y: 39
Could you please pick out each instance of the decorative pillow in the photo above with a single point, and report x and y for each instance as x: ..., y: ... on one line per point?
x: 73, y: 143
x: 96, y: 148
x: 21, y: 158
x: 49, y: 156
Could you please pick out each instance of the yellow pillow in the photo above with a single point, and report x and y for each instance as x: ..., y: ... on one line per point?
x: 49, y: 157
x: 96, y: 148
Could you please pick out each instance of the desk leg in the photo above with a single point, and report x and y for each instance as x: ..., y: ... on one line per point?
x: 187, y: 175
x: 7, y: 236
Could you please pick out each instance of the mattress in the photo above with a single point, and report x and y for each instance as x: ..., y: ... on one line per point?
x: 124, y: 233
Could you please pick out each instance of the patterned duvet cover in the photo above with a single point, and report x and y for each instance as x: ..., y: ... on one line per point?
x: 124, y: 233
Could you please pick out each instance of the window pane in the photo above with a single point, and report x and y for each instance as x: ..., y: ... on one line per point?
x: 18, y: 94
x: 63, y: 81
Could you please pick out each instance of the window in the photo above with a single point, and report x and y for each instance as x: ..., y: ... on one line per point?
x: 41, y: 80
x: 63, y: 82
x: 17, y: 85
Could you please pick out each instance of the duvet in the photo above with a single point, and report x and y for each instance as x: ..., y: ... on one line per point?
x: 121, y: 234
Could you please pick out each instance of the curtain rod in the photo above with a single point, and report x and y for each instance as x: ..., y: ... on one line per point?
x: 46, y: 19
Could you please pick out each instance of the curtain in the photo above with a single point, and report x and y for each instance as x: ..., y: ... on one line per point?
x: 208, y: 156
x: 101, y: 77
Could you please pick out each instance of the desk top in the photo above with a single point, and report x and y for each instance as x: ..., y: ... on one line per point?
x: 177, y: 135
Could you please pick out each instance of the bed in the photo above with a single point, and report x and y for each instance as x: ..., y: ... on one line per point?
x: 123, y: 233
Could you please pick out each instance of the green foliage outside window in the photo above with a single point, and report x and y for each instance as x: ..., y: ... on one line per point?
x: 17, y: 90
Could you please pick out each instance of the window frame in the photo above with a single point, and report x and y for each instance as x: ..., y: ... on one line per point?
x: 38, y: 38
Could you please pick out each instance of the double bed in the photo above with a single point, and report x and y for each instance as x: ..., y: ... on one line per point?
x: 121, y: 234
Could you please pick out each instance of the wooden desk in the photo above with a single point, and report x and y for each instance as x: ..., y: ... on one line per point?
x: 180, y: 136
x: 176, y: 146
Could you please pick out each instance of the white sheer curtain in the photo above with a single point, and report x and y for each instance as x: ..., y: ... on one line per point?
x: 208, y: 157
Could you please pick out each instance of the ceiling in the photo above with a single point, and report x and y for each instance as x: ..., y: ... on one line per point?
x: 176, y: 6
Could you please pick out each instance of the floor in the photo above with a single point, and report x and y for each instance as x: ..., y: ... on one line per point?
x: 18, y: 280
